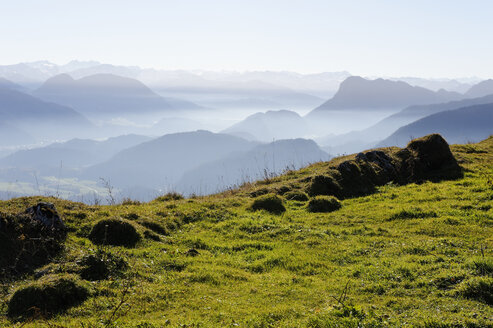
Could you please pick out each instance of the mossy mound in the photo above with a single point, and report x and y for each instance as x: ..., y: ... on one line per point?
x: 323, y: 204
x: 28, y: 242
x: 47, y: 296
x: 117, y: 232
x: 270, y: 203
x: 299, y: 196
x: 324, y: 185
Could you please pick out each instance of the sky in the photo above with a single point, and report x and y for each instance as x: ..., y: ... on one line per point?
x: 438, y: 38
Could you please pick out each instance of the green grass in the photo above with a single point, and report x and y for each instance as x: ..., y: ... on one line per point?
x: 418, y: 255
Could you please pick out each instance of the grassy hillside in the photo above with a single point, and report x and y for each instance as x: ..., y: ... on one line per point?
x: 406, y: 255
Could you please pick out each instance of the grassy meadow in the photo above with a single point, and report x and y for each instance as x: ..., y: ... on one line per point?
x: 417, y: 255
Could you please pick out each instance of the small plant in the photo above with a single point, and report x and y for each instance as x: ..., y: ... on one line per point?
x: 270, y: 203
x: 47, y: 296
x: 117, y: 232
x: 323, y: 204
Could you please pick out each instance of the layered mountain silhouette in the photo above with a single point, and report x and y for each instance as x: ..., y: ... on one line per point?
x: 357, y: 93
x: 263, y: 161
x: 161, y: 162
x: 271, y: 125
x: 356, y: 141
x: 469, y: 124
x: 481, y: 89
x: 10, y: 135
x: 74, y: 153
x: 102, y: 94
x: 40, y: 118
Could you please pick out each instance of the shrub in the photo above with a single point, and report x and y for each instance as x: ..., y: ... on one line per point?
x: 299, y: 196
x: 270, y: 202
x: 115, y: 232
x: 323, y: 204
x: 479, y: 289
x: 49, y: 295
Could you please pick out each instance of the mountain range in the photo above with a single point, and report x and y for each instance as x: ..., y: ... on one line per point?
x: 357, y: 93
x: 106, y: 94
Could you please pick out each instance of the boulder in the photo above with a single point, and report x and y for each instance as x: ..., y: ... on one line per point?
x: 47, y: 215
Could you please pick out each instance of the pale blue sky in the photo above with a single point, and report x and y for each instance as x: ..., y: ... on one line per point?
x: 428, y: 38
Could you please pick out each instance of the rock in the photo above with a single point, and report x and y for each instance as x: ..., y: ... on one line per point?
x: 46, y: 214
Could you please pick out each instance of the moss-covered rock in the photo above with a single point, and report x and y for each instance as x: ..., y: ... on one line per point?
x: 427, y: 158
x: 115, y: 231
x: 48, y: 296
x: 270, y: 203
x: 323, y: 204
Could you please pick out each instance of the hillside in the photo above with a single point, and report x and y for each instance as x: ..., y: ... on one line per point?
x: 74, y: 153
x: 263, y: 161
x: 159, y: 163
x: 468, y: 124
x: 415, y: 255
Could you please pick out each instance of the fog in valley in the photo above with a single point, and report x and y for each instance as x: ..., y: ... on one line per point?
x: 99, y: 133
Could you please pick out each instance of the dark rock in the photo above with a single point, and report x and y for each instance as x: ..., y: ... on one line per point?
x: 46, y: 214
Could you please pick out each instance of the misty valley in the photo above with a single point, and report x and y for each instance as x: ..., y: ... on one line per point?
x: 98, y: 133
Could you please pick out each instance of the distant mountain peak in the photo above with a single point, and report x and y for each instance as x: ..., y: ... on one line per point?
x: 356, y: 92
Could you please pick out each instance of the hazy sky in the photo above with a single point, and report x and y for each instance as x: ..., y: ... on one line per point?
x: 429, y: 38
